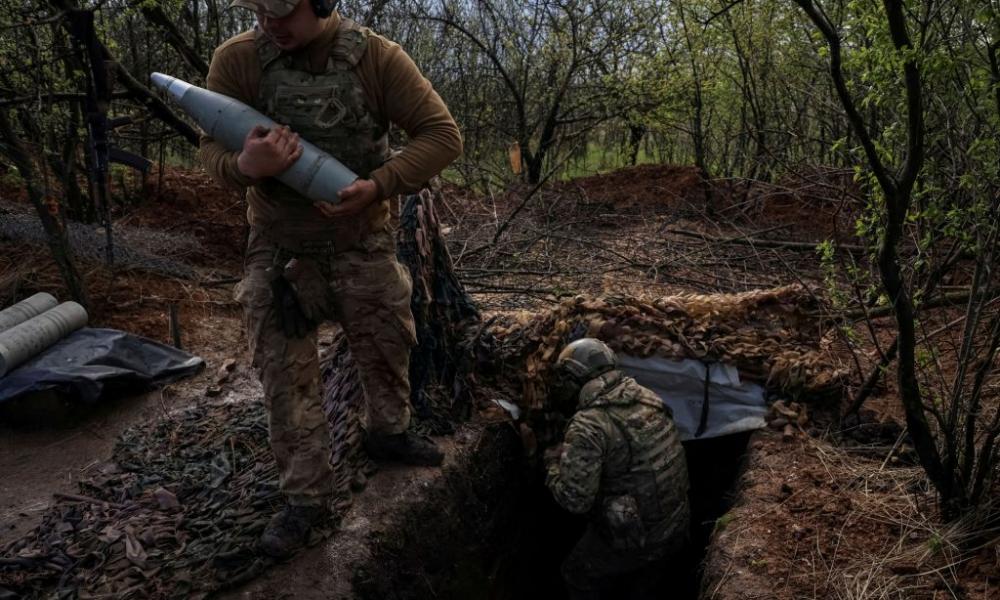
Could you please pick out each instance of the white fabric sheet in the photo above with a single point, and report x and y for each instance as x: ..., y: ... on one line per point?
x: 733, y: 406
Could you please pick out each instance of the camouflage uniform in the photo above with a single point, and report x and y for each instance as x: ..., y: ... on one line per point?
x: 622, y: 464
x: 354, y: 277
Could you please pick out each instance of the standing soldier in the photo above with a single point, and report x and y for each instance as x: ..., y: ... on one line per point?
x: 338, y: 85
x: 622, y: 464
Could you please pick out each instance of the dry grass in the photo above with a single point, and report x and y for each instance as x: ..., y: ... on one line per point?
x: 922, y: 554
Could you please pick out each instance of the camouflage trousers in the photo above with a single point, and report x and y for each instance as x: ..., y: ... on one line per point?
x: 595, y: 570
x: 369, y: 295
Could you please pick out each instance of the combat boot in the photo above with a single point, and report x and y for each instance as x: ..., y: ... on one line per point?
x: 407, y: 447
x: 288, y: 530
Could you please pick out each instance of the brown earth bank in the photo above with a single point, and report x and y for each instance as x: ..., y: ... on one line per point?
x: 814, y: 520
x: 417, y: 533
x: 815, y: 516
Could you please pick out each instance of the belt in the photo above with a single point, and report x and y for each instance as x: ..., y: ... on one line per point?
x: 295, y: 244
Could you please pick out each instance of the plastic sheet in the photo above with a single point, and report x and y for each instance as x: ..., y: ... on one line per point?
x: 734, y: 406
x: 89, y: 362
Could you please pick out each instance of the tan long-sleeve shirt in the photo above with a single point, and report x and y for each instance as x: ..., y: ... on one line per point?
x: 394, y: 88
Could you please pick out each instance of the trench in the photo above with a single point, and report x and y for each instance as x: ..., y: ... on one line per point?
x: 548, y: 533
x: 494, y: 532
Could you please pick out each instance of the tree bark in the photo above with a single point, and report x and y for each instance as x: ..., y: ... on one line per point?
x: 897, y: 190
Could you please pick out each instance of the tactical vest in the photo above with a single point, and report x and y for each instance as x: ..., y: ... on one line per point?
x: 330, y: 110
x: 656, y: 470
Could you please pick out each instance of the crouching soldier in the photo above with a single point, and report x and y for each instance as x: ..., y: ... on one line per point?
x: 622, y: 465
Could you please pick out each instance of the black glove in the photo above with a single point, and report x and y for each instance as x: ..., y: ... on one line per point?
x: 310, y: 287
x: 291, y: 319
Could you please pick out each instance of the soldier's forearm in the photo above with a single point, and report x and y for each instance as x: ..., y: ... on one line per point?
x: 569, y: 497
x: 423, y: 158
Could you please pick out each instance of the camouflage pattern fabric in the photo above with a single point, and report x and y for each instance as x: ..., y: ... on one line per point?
x: 330, y: 110
x: 369, y: 294
x: 621, y: 442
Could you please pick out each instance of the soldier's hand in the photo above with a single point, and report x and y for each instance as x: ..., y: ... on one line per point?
x: 353, y: 199
x: 552, y: 455
x: 268, y: 152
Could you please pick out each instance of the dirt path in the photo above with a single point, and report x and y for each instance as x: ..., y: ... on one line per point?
x: 36, y: 464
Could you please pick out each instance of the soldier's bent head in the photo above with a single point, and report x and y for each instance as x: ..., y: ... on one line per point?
x: 291, y: 24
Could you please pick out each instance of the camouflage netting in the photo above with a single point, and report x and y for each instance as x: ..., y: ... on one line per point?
x: 343, y: 403
x: 443, y: 314
x: 770, y: 336
x: 175, y: 514
x: 440, y: 372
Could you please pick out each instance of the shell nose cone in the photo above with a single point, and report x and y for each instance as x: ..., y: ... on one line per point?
x: 173, y: 86
x: 161, y: 81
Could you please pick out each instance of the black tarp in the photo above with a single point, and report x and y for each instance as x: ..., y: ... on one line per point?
x: 91, y: 363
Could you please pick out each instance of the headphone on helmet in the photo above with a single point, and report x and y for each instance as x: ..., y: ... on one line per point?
x: 323, y: 8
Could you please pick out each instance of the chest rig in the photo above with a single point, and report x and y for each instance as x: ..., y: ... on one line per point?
x: 327, y: 108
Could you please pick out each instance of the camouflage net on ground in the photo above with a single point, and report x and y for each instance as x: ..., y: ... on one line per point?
x: 771, y: 336
x: 176, y: 513
x: 178, y: 510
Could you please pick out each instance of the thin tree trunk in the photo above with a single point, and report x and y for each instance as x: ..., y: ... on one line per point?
x: 49, y: 214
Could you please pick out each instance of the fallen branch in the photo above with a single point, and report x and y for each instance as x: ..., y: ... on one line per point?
x: 500, y: 289
x: 748, y: 241
x: 943, y: 300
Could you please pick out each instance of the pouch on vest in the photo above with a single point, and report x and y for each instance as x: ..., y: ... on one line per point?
x: 622, y: 523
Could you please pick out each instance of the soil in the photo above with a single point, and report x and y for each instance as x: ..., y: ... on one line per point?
x: 190, y: 203
x: 817, y: 515
x: 820, y: 521
x: 636, y: 186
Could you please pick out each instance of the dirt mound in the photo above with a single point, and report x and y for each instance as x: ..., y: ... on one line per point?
x: 644, y: 184
x: 133, y: 301
x: 805, y: 204
x: 193, y: 203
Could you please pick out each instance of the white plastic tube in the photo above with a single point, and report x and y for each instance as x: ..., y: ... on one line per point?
x: 25, y: 309
x: 23, y: 341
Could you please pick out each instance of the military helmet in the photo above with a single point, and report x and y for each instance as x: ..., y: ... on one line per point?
x: 280, y: 8
x: 274, y: 9
x: 586, y: 358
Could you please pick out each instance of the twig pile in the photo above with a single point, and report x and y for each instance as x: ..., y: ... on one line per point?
x: 768, y: 335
